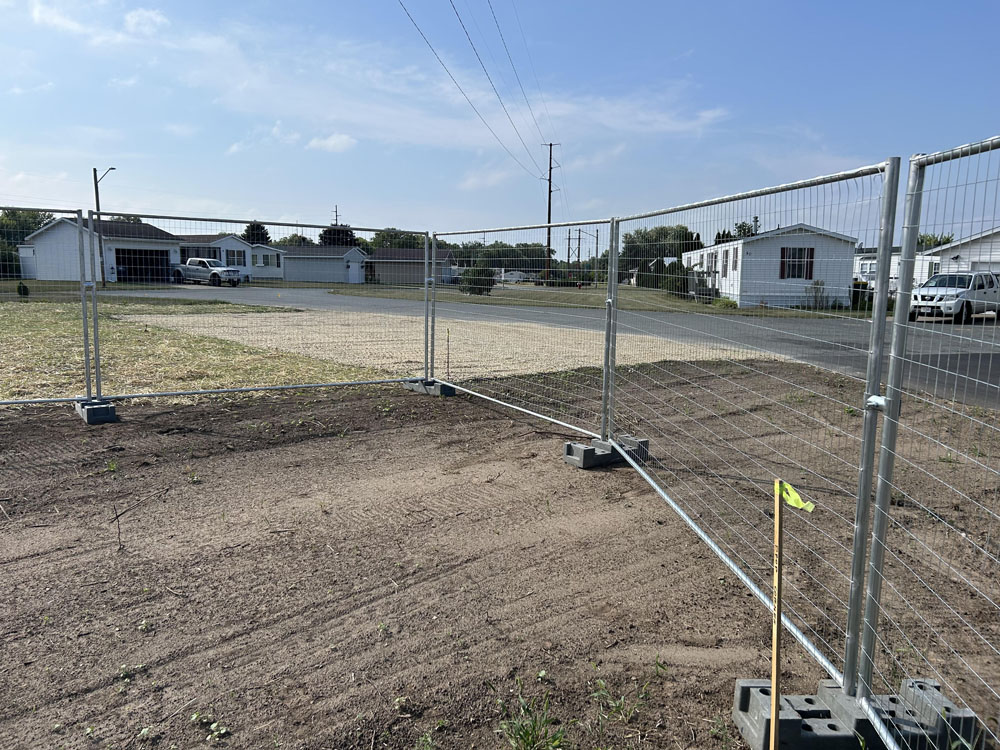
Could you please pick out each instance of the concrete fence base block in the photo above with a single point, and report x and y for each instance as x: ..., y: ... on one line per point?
x: 96, y: 412
x: 603, y: 453
x: 921, y: 718
x: 430, y: 388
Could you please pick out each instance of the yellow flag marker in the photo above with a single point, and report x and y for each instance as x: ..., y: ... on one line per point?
x: 790, y: 496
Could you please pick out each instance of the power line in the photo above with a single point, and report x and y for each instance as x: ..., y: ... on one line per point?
x: 436, y: 55
x: 514, y: 68
x: 499, y: 98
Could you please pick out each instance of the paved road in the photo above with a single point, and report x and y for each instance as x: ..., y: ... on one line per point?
x: 959, y: 362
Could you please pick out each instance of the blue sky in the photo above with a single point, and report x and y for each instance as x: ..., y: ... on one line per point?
x: 281, y: 110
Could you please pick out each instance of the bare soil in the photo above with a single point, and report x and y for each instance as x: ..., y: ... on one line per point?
x: 354, y: 568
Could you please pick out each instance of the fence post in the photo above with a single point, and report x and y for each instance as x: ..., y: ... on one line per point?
x: 890, y: 426
x: 93, y: 303
x: 427, y: 307
x: 83, y: 303
x: 610, y: 328
x: 434, y: 275
x: 873, y: 383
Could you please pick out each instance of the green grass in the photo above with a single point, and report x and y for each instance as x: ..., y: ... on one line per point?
x: 42, y: 342
x: 629, y: 298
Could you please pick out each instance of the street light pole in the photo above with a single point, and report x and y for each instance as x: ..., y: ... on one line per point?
x: 97, y: 209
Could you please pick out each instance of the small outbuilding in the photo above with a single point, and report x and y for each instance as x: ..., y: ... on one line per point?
x: 325, y: 263
x: 794, y: 266
x: 405, y: 266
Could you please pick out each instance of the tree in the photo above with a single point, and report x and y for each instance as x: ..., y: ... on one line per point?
x: 15, y: 225
x: 256, y: 234
x: 927, y: 241
x: 294, y: 240
x: 337, y: 235
x: 392, y: 237
x: 642, y: 246
x: 477, y: 280
x: 724, y: 236
x: 127, y: 218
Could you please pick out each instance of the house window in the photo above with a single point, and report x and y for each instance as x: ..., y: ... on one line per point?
x: 725, y: 262
x: 277, y: 260
x: 266, y: 258
x: 196, y: 251
x: 933, y: 267
x: 796, y: 263
x: 736, y: 254
x: 236, y: 257
x: 253, y: 259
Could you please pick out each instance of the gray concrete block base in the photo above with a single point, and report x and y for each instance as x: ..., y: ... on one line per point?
x: 430, y: 388
x: 96, y: 412
x: 921, y: 718
x: 602, y: 453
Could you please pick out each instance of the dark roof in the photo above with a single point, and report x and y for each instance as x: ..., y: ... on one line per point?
x: 411, y: 254
x: 128, y: 230
x: 324, y: 251
x: 203, y: 239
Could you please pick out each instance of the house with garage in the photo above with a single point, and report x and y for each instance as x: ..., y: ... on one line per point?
x: 794, y: 266
x: 325, y: 264
x: 254, y: 261
x: 978, y: 252
x: 132, y: 252
x: 405, y: 266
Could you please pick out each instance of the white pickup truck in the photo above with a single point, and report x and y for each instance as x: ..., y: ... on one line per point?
x: 958, y: 296
x: 212, y: 271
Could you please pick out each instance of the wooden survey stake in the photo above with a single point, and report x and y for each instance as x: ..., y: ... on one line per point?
x: 776, y: 621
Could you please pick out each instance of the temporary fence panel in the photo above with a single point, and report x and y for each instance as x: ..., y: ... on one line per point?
x: 44, y: 305
x: 933, y: 609
x: 194, y: 305
x: 742, y: 355
x: 520, y: 316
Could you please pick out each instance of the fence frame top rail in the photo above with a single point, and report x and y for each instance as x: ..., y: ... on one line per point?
x: 556, y: 225
x: 99, y: 215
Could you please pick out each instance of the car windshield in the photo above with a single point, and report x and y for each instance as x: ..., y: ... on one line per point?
x: 214, y: 264
x: 955, y: 280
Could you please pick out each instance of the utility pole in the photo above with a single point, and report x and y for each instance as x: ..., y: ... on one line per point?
x: 579, y: 233
x: 548, y: 220
x: 336, y: 215
x: 569, y: 239
x: 97, y: 209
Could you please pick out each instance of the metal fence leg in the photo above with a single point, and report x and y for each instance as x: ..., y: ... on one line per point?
x: 610, y: 325
x: 95, y: 410
x: 83, y: 303
x: 890, y: 426
x: 890, y: 190
x: 434, y: 275
x: 427, y: 307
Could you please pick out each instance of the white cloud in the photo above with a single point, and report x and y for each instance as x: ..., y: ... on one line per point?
x: 284, y: 136
x: 123, y: 83
x: 181, y: 130
x: 47, y: 15
x: 486, y: 178
x: 235, y: 148
x: 20, y: 90
x: 337, y: 143
x: 144, y: 21
x: 595, y: 159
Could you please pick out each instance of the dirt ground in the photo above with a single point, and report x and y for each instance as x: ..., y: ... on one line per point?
x: 354, y: 568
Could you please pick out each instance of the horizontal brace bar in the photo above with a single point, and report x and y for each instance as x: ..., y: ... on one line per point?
x: 497, y: 401
x: 255, y: 389
x: 43, y: 210
x: 587, y: 223
x: 813, y: 182
x: 790, y: 626
x: 32, y: 401
x: 969, y: 149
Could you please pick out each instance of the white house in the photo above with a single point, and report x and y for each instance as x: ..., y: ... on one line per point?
x: 794, y: 266
x: 978, y: 252
x: 254, y: 261
x: 324, y: 263
x: 132, y: 252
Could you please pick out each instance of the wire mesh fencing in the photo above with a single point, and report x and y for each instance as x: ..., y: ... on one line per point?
x: 44, y: 305
x: 524, y: 317
x: 933, y: 609
x: 191, y: 305
x: 742, y: 355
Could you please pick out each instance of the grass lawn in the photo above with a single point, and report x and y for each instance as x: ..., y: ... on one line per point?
x: 629, y: 298
x: 43, y: 352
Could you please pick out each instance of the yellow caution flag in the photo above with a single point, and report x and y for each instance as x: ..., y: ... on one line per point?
x: 790, y: 496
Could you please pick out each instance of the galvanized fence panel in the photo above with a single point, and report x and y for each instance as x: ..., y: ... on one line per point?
x: 521, y: 317
x: 45, y: 311
x: 933, y: 609
x: 743, y: 356
x: 196, y: 305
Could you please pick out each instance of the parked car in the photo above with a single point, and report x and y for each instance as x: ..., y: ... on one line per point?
x: 197, y: 270
x: 958, y: 296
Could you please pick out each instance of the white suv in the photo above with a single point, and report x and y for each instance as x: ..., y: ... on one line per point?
x: 958, y: 296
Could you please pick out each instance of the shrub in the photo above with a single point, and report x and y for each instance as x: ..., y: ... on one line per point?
x: 477, y: 280
x: 22, y: 289
x: 725, y: 302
